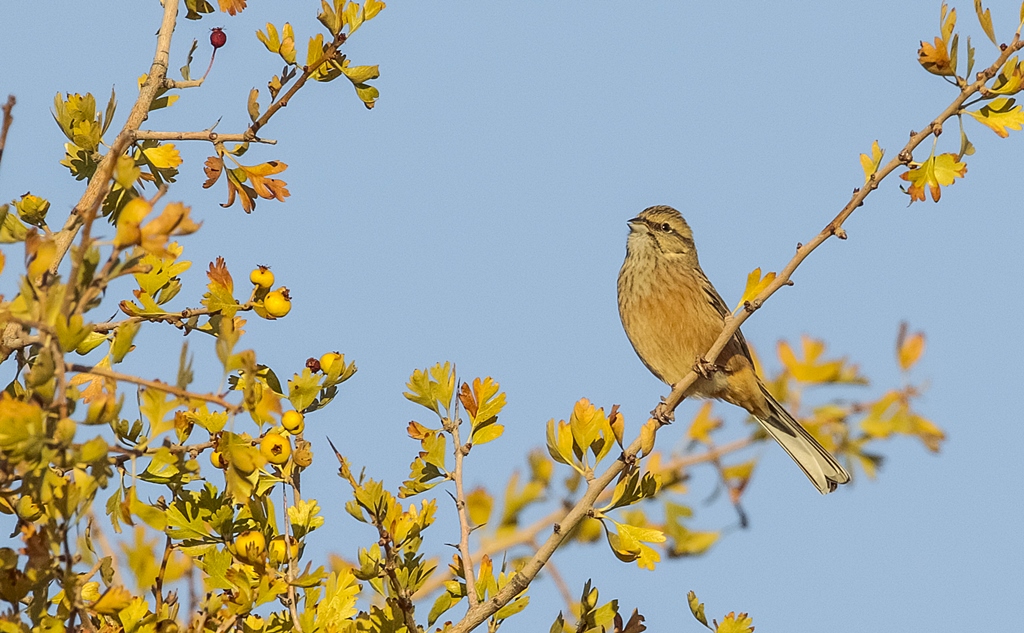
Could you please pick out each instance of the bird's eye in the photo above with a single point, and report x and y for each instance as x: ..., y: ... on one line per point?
x: 665, y: 227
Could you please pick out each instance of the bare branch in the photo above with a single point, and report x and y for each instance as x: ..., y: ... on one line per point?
x: 156, y: 384
x: 6, y: 125
x: 99, y: 185
x: 460, y: 503
x: 211, y: 136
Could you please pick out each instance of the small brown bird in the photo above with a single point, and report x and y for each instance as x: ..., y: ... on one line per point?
x: 672, y: 316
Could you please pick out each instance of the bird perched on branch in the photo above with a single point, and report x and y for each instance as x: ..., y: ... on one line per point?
x: 673, y: 315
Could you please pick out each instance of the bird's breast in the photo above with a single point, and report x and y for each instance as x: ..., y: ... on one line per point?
x: 667, y: 316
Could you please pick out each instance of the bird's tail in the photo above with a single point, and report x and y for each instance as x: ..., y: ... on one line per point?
x: 817, y: 463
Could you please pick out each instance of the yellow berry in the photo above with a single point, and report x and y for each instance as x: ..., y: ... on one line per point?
x: 293, y: 422
x: 277, y: 303
x: 250, y: 546
x: 275, y: 448
x: 279, y: 554
x: 327, y: 361
x: 262, y: 277
x: 218, y: 460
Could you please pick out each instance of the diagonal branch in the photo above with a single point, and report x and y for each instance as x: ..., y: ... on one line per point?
x: 99, y: 185
x: 478, y: 613
x: 835, y: 228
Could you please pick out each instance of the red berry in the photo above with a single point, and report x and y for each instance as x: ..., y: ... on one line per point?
x: 218, y: 37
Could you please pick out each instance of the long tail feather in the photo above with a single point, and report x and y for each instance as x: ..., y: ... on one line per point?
x: 817, y: 463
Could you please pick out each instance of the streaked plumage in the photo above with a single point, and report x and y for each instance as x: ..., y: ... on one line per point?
x: 672, y: 316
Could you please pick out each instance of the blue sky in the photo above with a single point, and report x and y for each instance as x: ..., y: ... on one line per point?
x: 477, y: 215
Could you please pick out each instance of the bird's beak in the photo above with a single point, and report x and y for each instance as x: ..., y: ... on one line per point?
x: 636, y: 225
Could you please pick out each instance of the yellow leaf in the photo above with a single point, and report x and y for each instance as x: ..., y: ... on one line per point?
x: 231, y: 7
x: 735, y: 623
x: 163, y: 156
x: 872, y: 163
x: 173, y: 220
x: 371, y: 8
x: 287, y: 50
x: 740, y: 472
x: 985, y: 18
x: 930, y: 434
x: 368, y: 94
x: 352, y: 15
x: 934, y: 173
x: 270, y: 39
x: 647, y: 434
x: 703, y: 425
x: 1010, y: 79
x: 810, y: 368
x: 479, y: 504
x: 948, y: 21
x: 113, y: 600
x: 697, y: 608
x: 128, y: 221
x: 755, y: 284
x: 126, y: 172
x: 360, y: 74
x: 40, y: 253
x: 910, y: 350
x: 999, y: 115
x: 936, y: 58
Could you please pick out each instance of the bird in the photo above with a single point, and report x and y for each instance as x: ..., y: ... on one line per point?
x: 672, y: 315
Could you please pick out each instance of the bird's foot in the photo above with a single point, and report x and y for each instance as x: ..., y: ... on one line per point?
x: 663, y: 414
x: 704, y: 368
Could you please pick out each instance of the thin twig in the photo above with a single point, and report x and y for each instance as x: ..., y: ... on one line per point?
x: 6, y: 125
x: 211, y: 136
x: 460, y: 504
x: 307, y: 72
x: 177, y: 84
x: 158, y: 586
x: 156, y: 384
x: 290, y: 574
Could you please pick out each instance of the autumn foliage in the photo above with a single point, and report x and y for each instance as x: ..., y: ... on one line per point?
x: 127, y: 493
